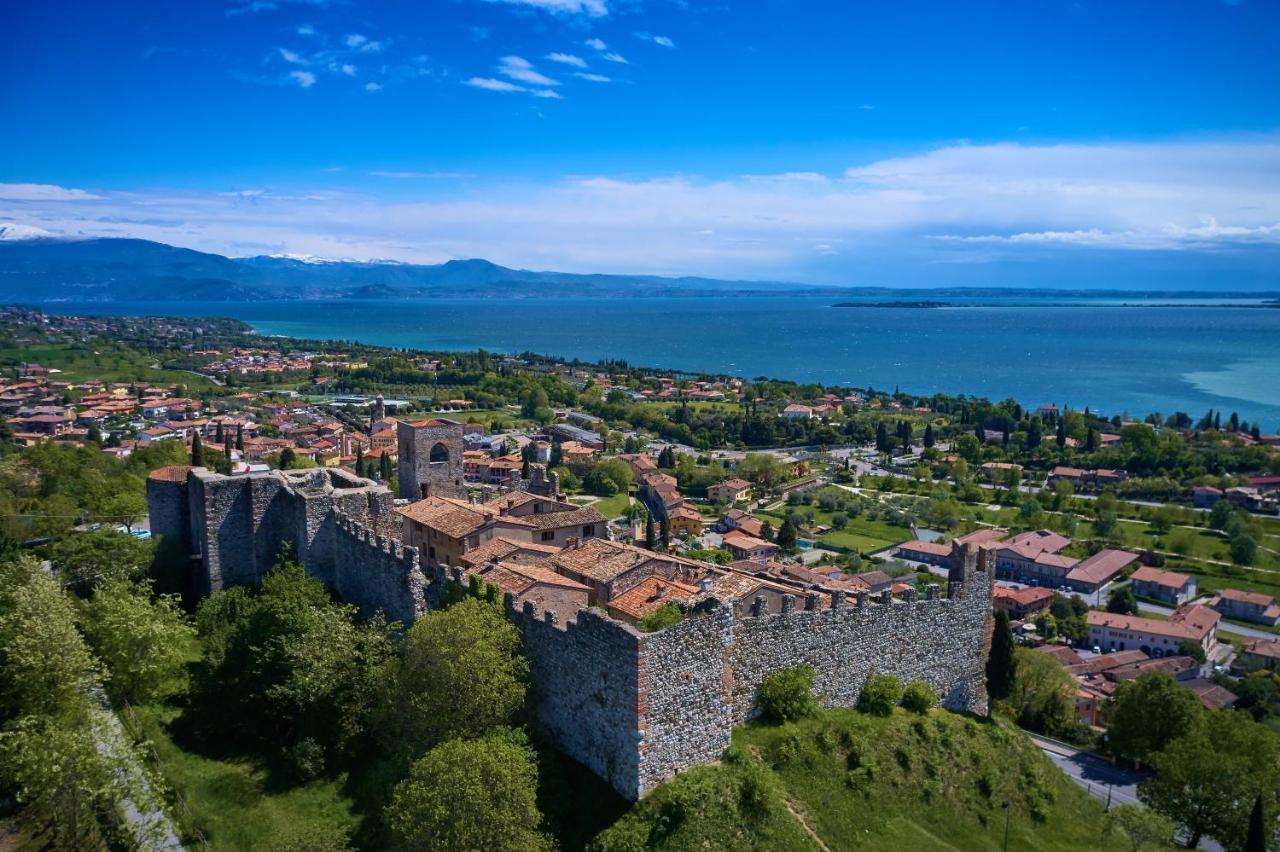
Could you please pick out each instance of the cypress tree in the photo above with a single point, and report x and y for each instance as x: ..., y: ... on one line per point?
x: 197, y: 451
x: 787, y: 535
x: 217, y: 435
x: 1256, y: 840
x: 666, y: 533
x: 650, y: 539
x: 359, y: 460
x: 1033, y: 433
x: 928, y: 435
x: 1091, y: 443
x: 226, y: 447
x: 240, y: 437
x: 384, y: 467
x: 1062, y: 433
x: 1000, y: 662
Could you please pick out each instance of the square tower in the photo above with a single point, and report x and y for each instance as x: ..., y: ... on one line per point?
x: 429, y: 457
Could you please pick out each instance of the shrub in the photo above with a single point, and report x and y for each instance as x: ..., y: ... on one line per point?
x: 919, y: 697
x: 664, y: 616
x: 787, y: 695
x: 305, y: 759
x: 880, y: 695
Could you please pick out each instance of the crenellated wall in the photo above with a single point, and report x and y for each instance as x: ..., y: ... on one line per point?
x: 636, y: 708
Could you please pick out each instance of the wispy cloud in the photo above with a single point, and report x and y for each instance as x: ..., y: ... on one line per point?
x: 549, y: 94
x: 291, y: 57
x: 960, y: 203
x: 305, y: 79
x: 518, y: 68
x: 43, y: 192
x: 594, y: 78
x: 660, y: 40
x: 493, y: 85
x: 567, y: 59
x: 590, y: 8
x: 596, y: 44
x: 373, y: 87
x: 616, y: 57
x: 420, y: 175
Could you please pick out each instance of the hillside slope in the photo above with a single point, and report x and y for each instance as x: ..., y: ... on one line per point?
x: 843, y: 780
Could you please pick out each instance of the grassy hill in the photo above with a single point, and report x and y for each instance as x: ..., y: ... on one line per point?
x: 843, y: 780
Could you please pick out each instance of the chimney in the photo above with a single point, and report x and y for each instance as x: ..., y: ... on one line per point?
x: 571, y: 543
x: 704, y: 584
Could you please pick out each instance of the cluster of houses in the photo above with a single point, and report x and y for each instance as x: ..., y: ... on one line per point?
x: 1032, y: 558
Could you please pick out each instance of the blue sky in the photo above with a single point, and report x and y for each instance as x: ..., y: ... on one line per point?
x: 887, y: 143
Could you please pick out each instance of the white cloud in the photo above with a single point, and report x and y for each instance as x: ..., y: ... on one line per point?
x: 594, y: 78
x: 348, y: 69
x: 595, y: 44
x: 355, y: 40
x: 521, y: 69
x: 548, y: 93
x: 373, y: 87
x: 305, y: 79
x: 417, y: 175
x: 42, y: 192
x: 493, y: 85
x: 567, y: 59
x: 656, y: 39
x: 964, y: 202
x: 616, y: 57
x: 291, y: 57
x: 591, y: 8
x: 306, y: 30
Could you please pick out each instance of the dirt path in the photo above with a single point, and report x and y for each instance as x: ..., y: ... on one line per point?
x: 791, y: 809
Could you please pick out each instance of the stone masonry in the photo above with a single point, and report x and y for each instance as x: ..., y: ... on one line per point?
x: 429, y: 459
x: 636, y: 708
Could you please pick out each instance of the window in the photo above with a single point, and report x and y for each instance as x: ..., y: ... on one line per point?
x: 548, y: 535
x: 589, y: 530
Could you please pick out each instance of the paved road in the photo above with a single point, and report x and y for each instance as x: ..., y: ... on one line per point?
x: 1105, y: 782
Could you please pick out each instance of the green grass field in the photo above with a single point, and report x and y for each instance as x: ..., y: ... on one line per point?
x: 843, y: 781
x: 860, y: 534
x: 82, y: 365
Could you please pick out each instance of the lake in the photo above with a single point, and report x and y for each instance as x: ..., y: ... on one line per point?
x: 1116, y: 358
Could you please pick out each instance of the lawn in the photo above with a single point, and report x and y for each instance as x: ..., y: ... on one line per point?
x: 861, y: 534
x: 613, y: 507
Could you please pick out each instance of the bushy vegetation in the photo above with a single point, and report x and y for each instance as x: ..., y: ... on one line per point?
x: 880, y: 694
x: 787, y: 695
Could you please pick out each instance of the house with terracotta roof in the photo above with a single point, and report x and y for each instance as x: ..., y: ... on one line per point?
x: 1095, y: 573
x: 736, y: 519
x: 1112, y: 631
x: 1165, y: 586
x: 545, y: 588
x: 609, y: 568
x: 648, y: 596
x: 445, y: 529
x: 1259, y: 654
x: 1253, y: 607
x: 684, y: 520
x: 1021, y: 604
x: 796, y: 411
x: 502, y: 549
x: 928, y: 552
x: 743, y: 546
x: 730, y: 491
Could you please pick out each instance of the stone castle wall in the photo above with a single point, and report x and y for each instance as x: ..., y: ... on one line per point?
x: 638, y: 708
x: 635, y: 708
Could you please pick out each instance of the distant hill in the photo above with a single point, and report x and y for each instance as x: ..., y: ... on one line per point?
x: 848, y: 781
x: 45, y: 269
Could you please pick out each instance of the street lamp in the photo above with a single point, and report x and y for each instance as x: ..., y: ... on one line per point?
x: 1008, y: 812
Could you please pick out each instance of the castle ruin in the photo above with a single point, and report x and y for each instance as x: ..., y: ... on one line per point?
x: 636, y: 708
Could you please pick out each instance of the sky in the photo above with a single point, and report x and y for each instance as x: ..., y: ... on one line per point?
x: 1109, y: 143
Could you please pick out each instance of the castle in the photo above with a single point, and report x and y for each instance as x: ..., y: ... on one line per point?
x: 634, y: 707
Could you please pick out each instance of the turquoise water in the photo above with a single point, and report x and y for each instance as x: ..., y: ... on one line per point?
x: 1111, y: 357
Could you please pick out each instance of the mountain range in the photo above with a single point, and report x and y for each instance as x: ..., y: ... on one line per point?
x: 140, y: 270
x: 39, y: 268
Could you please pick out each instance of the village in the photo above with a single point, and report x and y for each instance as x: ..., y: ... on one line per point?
x: 564, y: 509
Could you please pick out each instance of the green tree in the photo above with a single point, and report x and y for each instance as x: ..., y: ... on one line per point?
x: 1043, y: 694
x: 786, y: 539
x: 880, y: 694
x: 787, y: 695
x: 1123, y: 601
x: 1139, y: 827
x: 197, y: 451
x: 477, y: 795
x: 1207, y: 780
x: 84, y: 560
x: 1149, y: 713
x: 664, y: 616
x: 461, y: 674
x: 142, y: 641
x: 1243, y: 549
x: 1001, y: 663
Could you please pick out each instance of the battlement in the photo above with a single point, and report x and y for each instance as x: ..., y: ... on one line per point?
x: 634, y: 707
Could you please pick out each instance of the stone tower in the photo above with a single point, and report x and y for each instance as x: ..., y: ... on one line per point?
x: 379, y: 409
x: 430, y: 458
